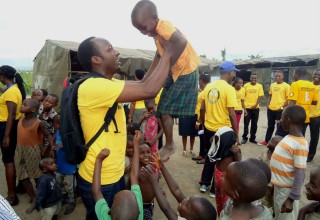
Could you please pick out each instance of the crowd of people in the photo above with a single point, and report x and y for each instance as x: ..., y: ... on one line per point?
x: 119, y: 176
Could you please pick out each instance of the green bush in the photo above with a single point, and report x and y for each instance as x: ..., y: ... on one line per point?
x: 27, y: 78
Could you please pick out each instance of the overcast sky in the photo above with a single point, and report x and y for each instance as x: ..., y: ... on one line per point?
x: 245, y: 27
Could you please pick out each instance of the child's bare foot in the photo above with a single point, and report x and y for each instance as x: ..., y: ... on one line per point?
x: 166, y: 151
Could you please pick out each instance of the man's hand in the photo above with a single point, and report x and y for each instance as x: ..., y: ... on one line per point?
x: 137, y: 138
x: 235, y: 148
x: 245, y: 112
x: 254, y: 107
x: 104, y: 153
x: 287, y: 206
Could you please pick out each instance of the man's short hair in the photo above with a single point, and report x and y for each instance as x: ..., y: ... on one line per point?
x: 86, y: 50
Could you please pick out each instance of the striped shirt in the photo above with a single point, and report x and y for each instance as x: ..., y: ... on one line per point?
x: 6, y: 211
x: 291, y: 152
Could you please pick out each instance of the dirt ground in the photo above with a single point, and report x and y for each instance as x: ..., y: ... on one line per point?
x: 185, y: 171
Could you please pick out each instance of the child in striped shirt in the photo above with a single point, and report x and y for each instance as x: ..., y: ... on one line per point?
x: 288, y: 163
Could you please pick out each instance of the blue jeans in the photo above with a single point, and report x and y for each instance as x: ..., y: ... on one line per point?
x: 108, y: 192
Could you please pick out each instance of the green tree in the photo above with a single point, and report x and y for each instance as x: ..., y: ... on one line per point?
x: 257, y: 56
x: 203, y: 55
x: 223, y: 54
x: 27, y: 78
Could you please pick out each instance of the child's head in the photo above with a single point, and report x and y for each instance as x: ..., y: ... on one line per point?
x: 293, y: 115
x: 50, y: 102
x: 47, y: 165
x: 139, y: 74
x: 263, y: 166
x: 45, y: 93
x: 150, y: 105
x: 313, y: 186
x: 132, y: 128
x: 197, y: 207
x: 253, y: 78
x: 300, y: 73
x: 129, y: 149
x: 144, y: 154
x: 37, y: 94
x: 316, y: 77
x: 144, y: 17
x: 278, y: 76
x: 29, y: 106
x: 125, y: 200
x: 238, y: 83
x: 273, y: 143
x: 204, y: 79
x: 245, y: 182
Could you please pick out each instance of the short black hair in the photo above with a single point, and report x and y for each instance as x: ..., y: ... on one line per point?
x: 44, y: 92
x: 250, y: 181
x: 132, y: 128
x: 296, y: 113
x: 147, y: 6
x: 263, y: 166
x: 130, y: 137
x: 278, y: 71
x: 204, y: 211
x: 253, y: 74
x: 301, y: 71
x: 139, y: 73
x: 54, y: 96
x: 237, y: 79
x: 44, y: 162
x: 205, y: 77
x: 33, y: 103
x: 86, y: 50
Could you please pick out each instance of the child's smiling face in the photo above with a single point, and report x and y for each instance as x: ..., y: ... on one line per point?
x: 144, y: 154
x: 313, y: 186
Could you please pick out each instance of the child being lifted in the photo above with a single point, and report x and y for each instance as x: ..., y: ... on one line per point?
x: 179, y: 96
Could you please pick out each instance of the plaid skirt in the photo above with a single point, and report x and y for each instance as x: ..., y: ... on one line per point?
x: 179, y: 98
x: 26, y: 161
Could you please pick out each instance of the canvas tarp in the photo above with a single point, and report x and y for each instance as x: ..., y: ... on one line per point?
x: 57, y: 60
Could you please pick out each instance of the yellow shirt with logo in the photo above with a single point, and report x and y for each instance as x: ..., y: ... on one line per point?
x: 240, y: 96
x: 140, y: 105
x: 12, y: 94
x: 315, y: 109
x: 218, y: 97
x: 95, y: 97
x: 304, y: 93
x: 252, y: 93
x: 188, y: 61
x: 199, y: 102
x: 280, y: 93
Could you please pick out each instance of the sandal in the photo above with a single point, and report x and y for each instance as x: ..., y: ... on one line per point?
x: 202, y: 161
x: 184, y: 153
x: 197, y: 158
x: 13, y: 200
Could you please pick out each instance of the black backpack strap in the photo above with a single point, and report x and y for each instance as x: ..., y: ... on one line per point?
x: 108, y: 118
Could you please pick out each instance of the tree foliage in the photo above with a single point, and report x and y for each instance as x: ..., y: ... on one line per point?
x: 27, y: 78
x: 257, y: 56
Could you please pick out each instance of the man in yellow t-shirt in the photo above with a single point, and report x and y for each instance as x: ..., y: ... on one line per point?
x: 278, y: 94
x: 217, y: 110
x: 95, y: 96
x: 314, y: 119
x: 253, y: 95
x: 303, y: 93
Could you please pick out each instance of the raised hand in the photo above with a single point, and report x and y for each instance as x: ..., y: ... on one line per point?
x: 104, y: 153
x: 137, y: 138
x: 156, y: 160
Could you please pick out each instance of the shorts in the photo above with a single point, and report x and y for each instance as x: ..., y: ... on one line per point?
x: 8, y: 153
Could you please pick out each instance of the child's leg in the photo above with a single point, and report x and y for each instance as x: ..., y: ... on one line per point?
x: 279, y: 196
x: 169, y: 148
x: 192, y: 139
x: 70, y: 180
x: 27, y: 185
x: 184, y: 143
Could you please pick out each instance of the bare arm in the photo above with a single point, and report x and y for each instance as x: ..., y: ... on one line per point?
x: 202, y: 111
x: 46, y: 133
x: 161, y: 199
x: 132, y: 107
x: 269, y: 99
x: 154, y: 64
x: 96, y: 182
x: 12, y: 107
x: 233, y: 120
x: 135, y: 159
x: 244, y: 107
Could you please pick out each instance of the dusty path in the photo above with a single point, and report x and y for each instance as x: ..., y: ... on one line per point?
x: 185, y: 171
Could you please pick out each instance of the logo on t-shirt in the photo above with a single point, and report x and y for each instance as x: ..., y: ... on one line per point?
x: 213, y: 95
x: 291, y: 94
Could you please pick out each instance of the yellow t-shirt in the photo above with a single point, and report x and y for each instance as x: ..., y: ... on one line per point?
x: 303, y: 92
x: 157, y: 98
x: 218, y: 97
x: 95, y: 97
x: 252, y: 93
x: 315, y: 109
x: 280, y: 93
x: 199, y: 102
x: 140, y: 105
x: 188, y: 61
x: 13, y: 94
x: 240, y: 96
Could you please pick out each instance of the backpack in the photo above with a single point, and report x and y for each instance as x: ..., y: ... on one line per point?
x: 71, y: 132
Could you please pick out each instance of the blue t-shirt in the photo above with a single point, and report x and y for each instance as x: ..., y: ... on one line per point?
x: 63, y: 166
